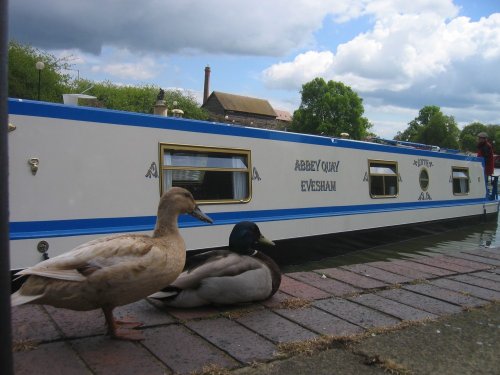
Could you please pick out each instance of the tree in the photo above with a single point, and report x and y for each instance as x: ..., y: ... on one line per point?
x: 468, y: 136
x: 441, y: 130
x: 494, y: 136
x: 139, y: 98
x: 415, y: 126
x: 23, y: 83
x: 330, y: 108
x: 23, y: 76
x: 431, y: 127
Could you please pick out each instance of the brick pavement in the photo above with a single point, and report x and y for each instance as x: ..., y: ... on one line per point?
x: 337, y: 301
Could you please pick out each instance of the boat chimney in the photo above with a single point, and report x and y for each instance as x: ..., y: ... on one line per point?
x: 160, y: 107
x: 207, y: 84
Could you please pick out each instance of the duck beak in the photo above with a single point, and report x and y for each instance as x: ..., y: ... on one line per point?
x: 197, y: 213
x: 264, y: 241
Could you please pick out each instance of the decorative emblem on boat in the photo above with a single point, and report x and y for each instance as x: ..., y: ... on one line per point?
x: 424, y: 196
x: 423, y: 162
x: 255, y: 175
x: 43, y: 248
x: 34, y: 163
x: 152, y: 171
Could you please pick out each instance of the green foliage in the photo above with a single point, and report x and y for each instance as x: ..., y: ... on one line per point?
x: 468, y: 136
x: 23, y: 76
x: 23, y: 83
x: 441, y: 130
x: 432, y: 127
x: 139, y: 98
x: 330, y: 108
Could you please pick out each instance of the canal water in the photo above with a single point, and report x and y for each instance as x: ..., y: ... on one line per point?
x: 426, y: 242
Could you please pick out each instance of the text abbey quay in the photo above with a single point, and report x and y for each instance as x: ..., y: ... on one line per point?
x: 317, y: 166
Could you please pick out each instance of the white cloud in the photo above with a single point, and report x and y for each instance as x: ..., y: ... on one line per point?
x: 304, y: 68
x: 407, y: 55
x: 406, y: 52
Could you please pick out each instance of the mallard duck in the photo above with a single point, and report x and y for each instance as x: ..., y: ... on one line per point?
x: 115, y: 270
x: 224, y: 277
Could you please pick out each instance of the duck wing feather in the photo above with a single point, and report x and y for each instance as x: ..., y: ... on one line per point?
x: 222, y: 264
x: 84, y: 260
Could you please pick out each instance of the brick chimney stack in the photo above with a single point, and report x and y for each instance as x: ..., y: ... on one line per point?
x: 207, y: 84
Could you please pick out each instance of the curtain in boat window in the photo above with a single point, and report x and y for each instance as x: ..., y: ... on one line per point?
x: 240, y: 188
x: 168, y: 174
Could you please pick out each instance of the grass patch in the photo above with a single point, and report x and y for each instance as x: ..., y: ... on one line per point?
x: 24, y: 345
x: 238, y: 313
x: 313, y: 346
x: 212, y: 369
x: 294, y: 303
x: 388, y: 365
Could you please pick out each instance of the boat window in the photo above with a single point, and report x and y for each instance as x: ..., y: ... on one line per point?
x: 383, y: 179
x: 212, y: 175
x: 423, y: 179
x: 460, y: 178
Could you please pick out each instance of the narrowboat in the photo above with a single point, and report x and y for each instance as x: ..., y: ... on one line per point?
x: 77, y: 173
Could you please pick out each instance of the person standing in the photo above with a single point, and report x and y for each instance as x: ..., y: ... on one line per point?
x: 485, y: 150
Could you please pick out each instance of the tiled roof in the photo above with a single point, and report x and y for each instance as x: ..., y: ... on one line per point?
x: 246, y: 104
x: 283, y: 115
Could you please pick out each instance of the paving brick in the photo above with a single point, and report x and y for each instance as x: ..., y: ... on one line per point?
x: 477, y: 281
x: 377, y: 273
x: 31, y: 322
x: 143, y: 312
x: 239, y: 342
x: 487, y: 275
x: 476, y: 266
x: 477, y: 258
x: 446, y: 295
x: 355, y: 313
x: 496, y: 270
x: 55, y: 358
x: 333, y: 287
x: 276, y: 300
x: 320, y: 321
x: 188, y: 314
x: 78, y: 323
x: 420, y: 301
x: 106, y: 356
x: 485, y: 257
x: 352, y: 278
x: 175, y: 345
x: 274, y: 327
x: 491, y: 253
x: 402, y: 270
x: 390, y: 307
x: 441, y: 263
x: 301, y: 290
x: 476, y: 291
x: 424, y: 268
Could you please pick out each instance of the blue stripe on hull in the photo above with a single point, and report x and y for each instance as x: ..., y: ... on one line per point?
x: 80, y: 227
x: 111, y: 118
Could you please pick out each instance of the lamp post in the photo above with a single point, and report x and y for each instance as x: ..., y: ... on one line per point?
x: 39, y: 66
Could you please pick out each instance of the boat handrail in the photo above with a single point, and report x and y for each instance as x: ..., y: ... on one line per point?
x: 421, y: 146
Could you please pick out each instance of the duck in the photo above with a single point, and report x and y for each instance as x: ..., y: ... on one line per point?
x: 114, y: 270
x: 231, y: 276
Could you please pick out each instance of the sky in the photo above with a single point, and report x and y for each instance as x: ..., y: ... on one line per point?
x: 397, y: 55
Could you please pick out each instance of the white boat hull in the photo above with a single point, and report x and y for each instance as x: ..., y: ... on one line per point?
x: 99, y: 173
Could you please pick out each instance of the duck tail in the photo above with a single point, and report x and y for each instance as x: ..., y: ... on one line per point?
x: 168, y: 293
x: 17, y: 299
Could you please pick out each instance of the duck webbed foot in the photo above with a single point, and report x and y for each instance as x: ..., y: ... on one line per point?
x: 122, y: 329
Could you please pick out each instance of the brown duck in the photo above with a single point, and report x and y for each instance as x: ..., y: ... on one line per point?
x: 115, y: 270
